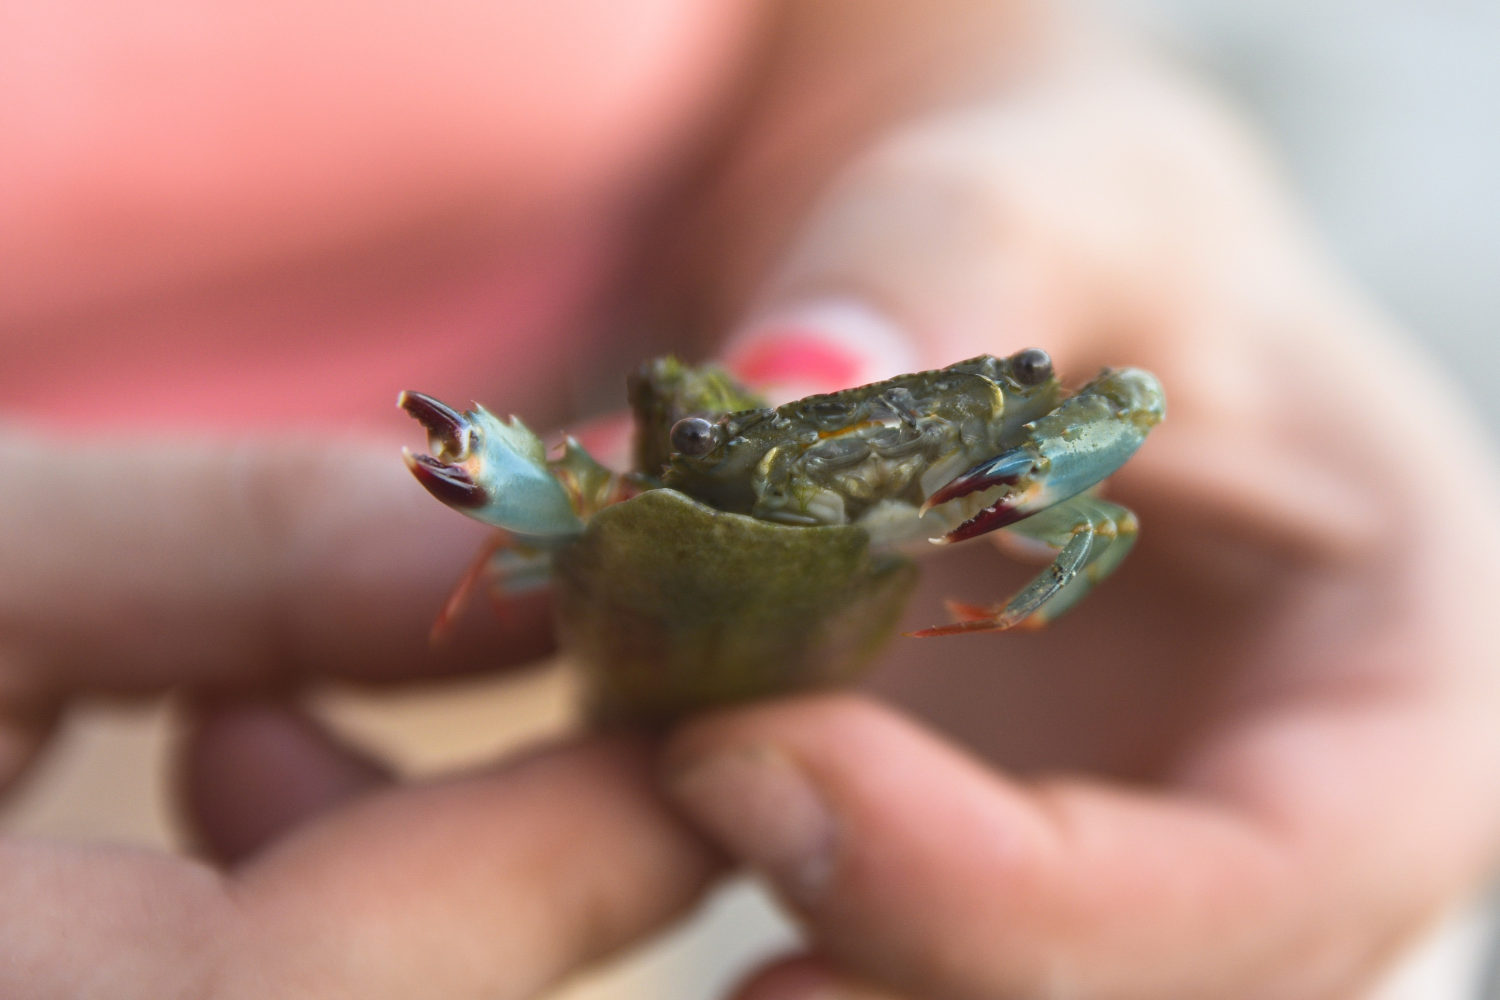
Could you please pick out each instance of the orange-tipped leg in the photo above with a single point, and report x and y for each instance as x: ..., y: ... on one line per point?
x: 1091, y: 536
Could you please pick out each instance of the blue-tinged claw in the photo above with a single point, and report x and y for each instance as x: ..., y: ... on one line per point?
x: 1093, y: 433
x: 493, y: 470
x: 1065, y: 452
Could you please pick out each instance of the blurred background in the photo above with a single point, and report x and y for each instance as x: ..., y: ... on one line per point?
x: 1386, y: 116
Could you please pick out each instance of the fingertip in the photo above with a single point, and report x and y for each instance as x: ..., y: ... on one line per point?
x: 842, y: 802
x: 818, y: 345
x: 797, y: 977
x: 909, y: 861
x: 252, y: 770
x: 763, y: 807
x: 804, y: 977
x: 834, y: 717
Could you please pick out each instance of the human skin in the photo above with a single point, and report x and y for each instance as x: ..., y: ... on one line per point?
x: 229, y: 236
x: 1252, y: 765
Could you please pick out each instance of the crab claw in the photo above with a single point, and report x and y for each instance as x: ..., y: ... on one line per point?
x: 490, y: 469
x: 1061, y: 454
x: 1002, y: 470
x: 449, y: 483
x: 447, y: 428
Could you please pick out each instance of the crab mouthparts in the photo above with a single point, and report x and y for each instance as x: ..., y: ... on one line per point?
x: 449, y: 433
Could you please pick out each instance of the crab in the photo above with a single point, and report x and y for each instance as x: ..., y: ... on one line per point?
x: 757, y: 550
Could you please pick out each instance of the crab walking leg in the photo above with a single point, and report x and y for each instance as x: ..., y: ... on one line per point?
x: 458, y: 598
x: 1063, y: 453
x: 505, y: 566
x: 1113, y: 529
x: 1091, y: 537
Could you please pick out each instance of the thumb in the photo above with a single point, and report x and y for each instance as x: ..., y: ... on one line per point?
x: 914, y: 867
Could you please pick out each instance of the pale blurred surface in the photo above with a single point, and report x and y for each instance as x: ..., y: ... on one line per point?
x: 1387, y: 118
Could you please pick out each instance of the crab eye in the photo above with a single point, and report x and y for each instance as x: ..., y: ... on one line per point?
x: 693, y: 436
x: 1031, y: 366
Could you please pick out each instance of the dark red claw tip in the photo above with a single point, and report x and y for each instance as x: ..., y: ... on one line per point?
x: 992, y: 518
x: 1002, y: 470
x: 440, y: 419
x: 449, y: 483
x: 951, y: 490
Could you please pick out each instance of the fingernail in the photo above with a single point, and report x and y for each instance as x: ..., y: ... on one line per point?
x: 763, y: 809
x: 819, y: 345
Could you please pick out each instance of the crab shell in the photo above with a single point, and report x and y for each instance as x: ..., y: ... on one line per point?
x: 667, y: 606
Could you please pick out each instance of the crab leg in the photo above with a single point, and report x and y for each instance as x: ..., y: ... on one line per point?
x: 504, y: 566
x: 1063, y: 453
x: 1091, y: 536
x: 458, y: 598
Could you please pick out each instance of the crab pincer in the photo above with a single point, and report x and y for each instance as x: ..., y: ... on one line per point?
x: 448, y: 433
x: 1065, y: 452
x: 493, y: 470
x: 1048, y: 496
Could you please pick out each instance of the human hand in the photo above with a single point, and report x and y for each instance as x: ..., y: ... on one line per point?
x: 221, y: 221
x: 1047, y: 260
x: 1259, y: 759
x: 226, y: 577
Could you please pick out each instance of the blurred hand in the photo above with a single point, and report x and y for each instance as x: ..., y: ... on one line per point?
x: 219, y: 220
x: 1280, y: 701
x: 1261, y: 758
x: 225, y: 573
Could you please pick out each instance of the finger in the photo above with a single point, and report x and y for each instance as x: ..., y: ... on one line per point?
x: 252, y: 771
x: 483, y: 886
x: 916, y: 868
x: 1048, y: 219
x: 806, y: 977
x: 1109, y: 224
x: 262, y: 562
x: 490, y: 886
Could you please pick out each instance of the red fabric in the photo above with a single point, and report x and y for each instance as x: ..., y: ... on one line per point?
x: 334, y: 355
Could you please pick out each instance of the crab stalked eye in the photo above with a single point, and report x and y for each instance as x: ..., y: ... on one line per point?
x: 1031, y: 366
x: 693, y: 436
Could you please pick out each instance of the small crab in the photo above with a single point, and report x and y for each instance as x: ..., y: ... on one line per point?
x: 757, y: 550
